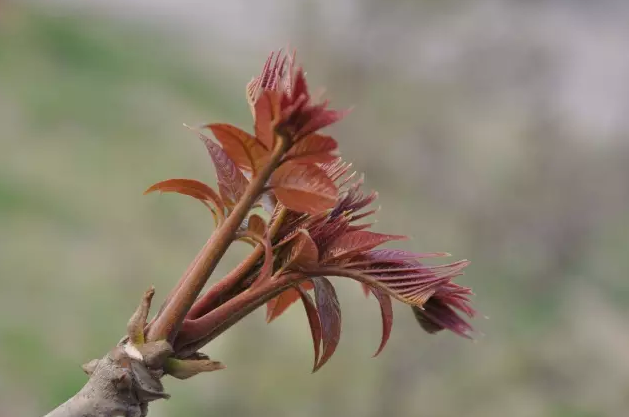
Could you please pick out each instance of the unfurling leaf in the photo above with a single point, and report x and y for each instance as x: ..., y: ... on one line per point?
x: 267, y: 266
x: 386, y: 310
x: 256, y: 225
x: 353, y: 243
x: 304, y: 253
x: 428, y: 325
x: 437, y: 313
x: 231, y: 181
x: 314, y: 149
x: 330, y: 316
x: 278, y: 305
x: 267, y: 109
x: 244, y: 149
x: 185, y: 186
x: 315, y: 323
x: 303, y: 188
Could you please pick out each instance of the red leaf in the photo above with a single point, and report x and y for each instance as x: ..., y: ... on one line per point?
x: 320, y: 118
x: 353, y: 243
x: 330, y: 316
x: 386, y: 310
x: 314, y: 321
x: 185, y: 186
x: 304, y: 253
x: 244, y: 149
x: 278, y: 305
x: 299, y: 87
x: 314, y: 149
x: 303, y: 188
x: 267, y: 110
x: 231, y: 181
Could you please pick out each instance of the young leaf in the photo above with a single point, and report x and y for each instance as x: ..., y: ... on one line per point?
x: 303, y: 188
x: 267, y: 110
x: 231, y: 181
x: 304, y: 253
x: 428, y: 325
x: 353, y: 243
x: 244, y: 149
x: 256, y: 225
x: 314, y: 321
x: 267, y: 266
x: 278, y: 305
x: 386, y: 310
x: 192, y: 188
x: 391, y: 256
x: 330, y: 316
x: 314, y: 149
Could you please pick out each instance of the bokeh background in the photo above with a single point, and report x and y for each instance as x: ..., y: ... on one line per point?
x: 494, y: 130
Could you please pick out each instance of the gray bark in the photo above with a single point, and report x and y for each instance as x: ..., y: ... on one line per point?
x: 120, y: 384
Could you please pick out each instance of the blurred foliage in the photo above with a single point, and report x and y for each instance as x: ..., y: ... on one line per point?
x: 476, y: 161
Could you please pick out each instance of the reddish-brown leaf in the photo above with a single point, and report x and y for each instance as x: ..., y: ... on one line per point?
x: 330, y: 316
x: 256, y: 225
x: 267, y: 110
x: 278, y: 305
x: 244, y: 149
x: 303, y: 188
x: 267, y: 266
x: 304, y: 253
x: 320, y: 118
x: 314, y: 149
x: 192, y: 188
x: 231, y: 181
x: 391, y: 256
x: 314, y: 321
x: 353, y: 243
x: 386, y: 310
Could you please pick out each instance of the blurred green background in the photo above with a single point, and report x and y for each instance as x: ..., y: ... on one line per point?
x: 494, y: 130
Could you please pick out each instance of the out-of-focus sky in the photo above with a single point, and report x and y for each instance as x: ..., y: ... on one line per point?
x: 493, y: 130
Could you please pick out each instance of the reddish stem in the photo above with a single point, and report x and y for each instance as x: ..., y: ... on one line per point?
x: 197, y: 333
x: 222, y: 287
x: 173, y: 314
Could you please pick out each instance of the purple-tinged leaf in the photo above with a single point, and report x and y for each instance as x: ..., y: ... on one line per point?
x: 244, y: 149
x: 354, y: 243
x: 304, y: 253
x: 315, y: 324
x: 386, y: 310
x: 437, y: 315
x: 231, y: 181
x: 330, y: 316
